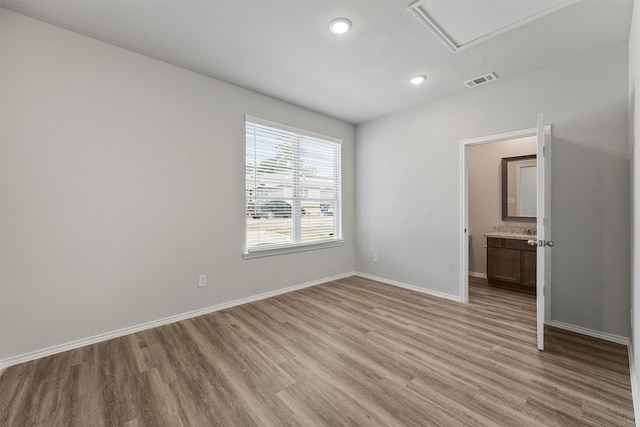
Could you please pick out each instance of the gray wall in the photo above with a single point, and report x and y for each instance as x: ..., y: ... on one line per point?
x: 123, y: 180
x: 634, y: 126
x: 408, y: 185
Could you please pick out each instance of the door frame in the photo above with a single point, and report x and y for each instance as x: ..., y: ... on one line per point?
x: 464, y: 203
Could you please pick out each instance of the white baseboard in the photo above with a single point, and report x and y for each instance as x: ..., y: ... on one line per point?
x: 634, y: 386
x: 590, y: 332
x: 37, y: 354
x: 455, y: 298
x: 480, y: 275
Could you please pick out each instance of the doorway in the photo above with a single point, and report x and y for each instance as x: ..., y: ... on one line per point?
x: 538, y: 138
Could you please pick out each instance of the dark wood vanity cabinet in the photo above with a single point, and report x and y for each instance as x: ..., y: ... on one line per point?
x: 511, y: 263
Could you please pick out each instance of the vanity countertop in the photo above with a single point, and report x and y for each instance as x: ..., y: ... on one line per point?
x: 503, y: 235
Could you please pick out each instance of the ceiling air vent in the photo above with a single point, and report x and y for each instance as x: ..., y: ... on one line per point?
x: 480, y: 80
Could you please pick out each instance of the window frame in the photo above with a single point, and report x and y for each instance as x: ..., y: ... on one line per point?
x: 277, y: 249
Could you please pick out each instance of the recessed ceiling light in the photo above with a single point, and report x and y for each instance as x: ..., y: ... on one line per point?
x: 339, y: 25
x: 418, y: 79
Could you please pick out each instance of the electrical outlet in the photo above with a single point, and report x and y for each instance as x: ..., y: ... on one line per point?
x: 202, y: 281
x: 375, y: 257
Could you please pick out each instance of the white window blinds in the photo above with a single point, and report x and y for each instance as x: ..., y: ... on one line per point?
x: 293, y: 187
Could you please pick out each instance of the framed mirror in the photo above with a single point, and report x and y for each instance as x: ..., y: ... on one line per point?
x: 519, y: 188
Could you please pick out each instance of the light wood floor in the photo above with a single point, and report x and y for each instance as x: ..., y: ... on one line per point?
x: 349, y: 352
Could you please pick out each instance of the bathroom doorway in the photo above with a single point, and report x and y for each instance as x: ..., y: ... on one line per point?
x: 496, y: 152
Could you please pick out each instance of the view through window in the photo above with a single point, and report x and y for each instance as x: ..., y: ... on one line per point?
x: 293, y: 187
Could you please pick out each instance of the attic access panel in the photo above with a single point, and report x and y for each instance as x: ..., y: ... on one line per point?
x: 463, y: 23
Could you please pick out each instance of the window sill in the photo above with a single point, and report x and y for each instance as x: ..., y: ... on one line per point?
x: 259, y: 253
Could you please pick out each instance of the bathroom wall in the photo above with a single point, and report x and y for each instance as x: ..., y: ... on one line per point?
x: 485, y: 187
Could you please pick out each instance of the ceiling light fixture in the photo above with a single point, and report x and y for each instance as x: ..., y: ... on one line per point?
x: 339, y: 26
x: 418, y: 79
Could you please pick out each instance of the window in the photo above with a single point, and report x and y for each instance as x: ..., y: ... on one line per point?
x: 293, y: 189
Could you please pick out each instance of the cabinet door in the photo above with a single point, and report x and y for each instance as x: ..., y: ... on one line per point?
x: 529, y: 264
x: 504, y: 265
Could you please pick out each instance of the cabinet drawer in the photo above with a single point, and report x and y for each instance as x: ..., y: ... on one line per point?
x: 518, y: 244
x: 494, y: 242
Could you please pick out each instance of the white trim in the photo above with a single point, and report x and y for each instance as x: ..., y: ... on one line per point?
x: 634, y: 386
x: 37, y: 354
x: 479, y: 275
x: 407, y: 286
x: 271, y: 251
x: 522, y: 133
x: 424, y: 17
x: 464, y: 226
x: 590, y: 332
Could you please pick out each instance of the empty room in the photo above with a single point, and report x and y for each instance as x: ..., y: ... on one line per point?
x: 319, y: 213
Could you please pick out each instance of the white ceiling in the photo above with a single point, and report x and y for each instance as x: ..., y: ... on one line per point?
x: 283, y: 48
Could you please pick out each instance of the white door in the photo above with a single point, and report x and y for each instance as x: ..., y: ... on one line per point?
x: 542, y: 212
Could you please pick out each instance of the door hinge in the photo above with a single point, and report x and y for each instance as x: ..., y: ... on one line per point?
x: 544, y: 151
x: 544, y: 291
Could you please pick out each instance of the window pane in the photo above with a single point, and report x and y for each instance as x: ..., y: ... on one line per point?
x: 292, y: 187
x: 317, y: 223
x: 269, y: 229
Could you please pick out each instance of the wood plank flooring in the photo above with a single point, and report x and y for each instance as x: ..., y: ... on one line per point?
x: 350, y: 352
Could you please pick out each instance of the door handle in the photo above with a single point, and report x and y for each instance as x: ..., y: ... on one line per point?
x: 533, y: 242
